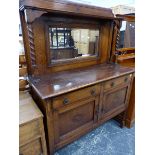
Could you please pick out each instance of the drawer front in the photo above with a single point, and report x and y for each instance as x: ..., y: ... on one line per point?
x: 32, y: 148
x: 68, y: 98
x: 28, y: 132
x: 117, y: 82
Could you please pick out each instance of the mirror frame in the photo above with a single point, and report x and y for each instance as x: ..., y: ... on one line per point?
x: 71, y: 24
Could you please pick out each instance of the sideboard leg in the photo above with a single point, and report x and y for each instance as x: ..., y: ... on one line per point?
x: 121, y: 119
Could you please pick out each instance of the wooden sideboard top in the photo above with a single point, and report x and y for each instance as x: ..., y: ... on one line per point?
x: 28, y: 110
x: 67, y: 7
x: 52, y: 85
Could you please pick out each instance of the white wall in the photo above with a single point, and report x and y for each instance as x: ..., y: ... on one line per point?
x: 82, y: 37
x: 106, y: 3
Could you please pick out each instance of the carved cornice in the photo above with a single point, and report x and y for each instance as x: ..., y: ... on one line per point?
x: 31, y: 15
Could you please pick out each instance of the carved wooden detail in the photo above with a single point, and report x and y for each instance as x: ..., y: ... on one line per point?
x: 115, y: 40
x: 31, y: 15
x: 117, y: 29
x: 31, y: 44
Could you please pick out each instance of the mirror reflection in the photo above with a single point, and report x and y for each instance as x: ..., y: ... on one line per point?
x: 127, y: 35
x: 72, y: 43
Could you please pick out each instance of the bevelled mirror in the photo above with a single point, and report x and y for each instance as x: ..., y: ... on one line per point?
x: 72, y: 43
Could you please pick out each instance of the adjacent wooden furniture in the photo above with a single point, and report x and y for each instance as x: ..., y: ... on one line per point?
x: 22, y: 61
x: 31, y: 128
x: 23, y: 83
x: 75, y: 95
x: 125, y: 57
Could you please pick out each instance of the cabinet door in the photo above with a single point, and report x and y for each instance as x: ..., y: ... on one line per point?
x: 114, y: 100
x: 74, y: 119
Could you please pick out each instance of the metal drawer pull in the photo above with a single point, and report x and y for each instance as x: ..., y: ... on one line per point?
x: 126, y: 79
x: 93, y: 93
x: 97, y: 111
x: 65, y: 101
x: 112, y: 84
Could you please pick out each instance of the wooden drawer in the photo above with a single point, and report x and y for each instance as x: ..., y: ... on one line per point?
x: 28, y: 132
x: 32, y: 148
x: 117, y: 81
x: 68, y: 98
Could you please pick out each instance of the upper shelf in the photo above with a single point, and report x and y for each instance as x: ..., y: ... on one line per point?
x: 126, y: 56
x: 67, y: 7
x: 52, y: 85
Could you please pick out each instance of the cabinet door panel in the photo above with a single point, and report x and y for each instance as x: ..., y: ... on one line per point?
x: 72, y: 120
x: 115, y: 100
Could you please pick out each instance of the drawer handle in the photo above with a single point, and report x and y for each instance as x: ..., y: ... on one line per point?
x: 65, y: 101
x: 97, y: 111
x: 126, y: 79
x: 112, y: 84
x: 93, y: 93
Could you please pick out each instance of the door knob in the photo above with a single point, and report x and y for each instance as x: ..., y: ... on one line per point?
x: 65, y: 101
x: 93, y: 93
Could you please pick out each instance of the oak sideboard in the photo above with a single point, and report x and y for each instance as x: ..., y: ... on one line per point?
x: 68, y: 50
